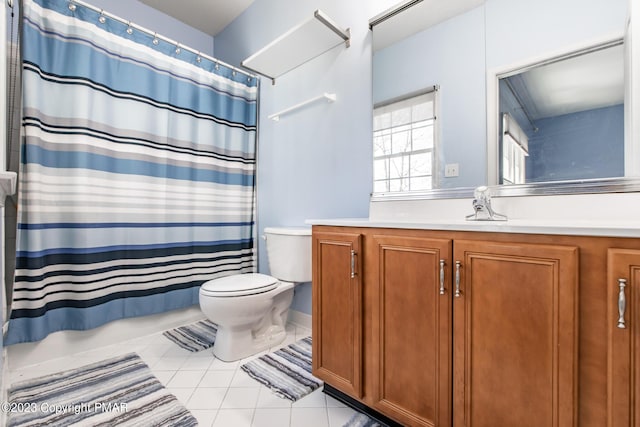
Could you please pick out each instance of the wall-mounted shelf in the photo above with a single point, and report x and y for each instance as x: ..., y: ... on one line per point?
x: 300, y: 44
x: 330, y: 97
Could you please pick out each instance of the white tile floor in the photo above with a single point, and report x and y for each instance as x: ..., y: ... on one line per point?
x: 217, y: 393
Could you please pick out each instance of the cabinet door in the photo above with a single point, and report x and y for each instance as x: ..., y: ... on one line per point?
x: 411, y: 316
x: 337, y: 310
x: 624, y: 338
x: 515, y: 335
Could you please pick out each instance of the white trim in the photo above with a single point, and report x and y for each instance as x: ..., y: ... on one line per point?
x: 299, y: 318
x: 67, y: 343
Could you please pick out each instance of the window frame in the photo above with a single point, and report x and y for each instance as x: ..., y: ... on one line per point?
x: 412, y: 125
x: 515, y: 149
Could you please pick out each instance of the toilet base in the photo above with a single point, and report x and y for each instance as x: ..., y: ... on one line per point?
x: 232, y: 345
x: 248, y: 324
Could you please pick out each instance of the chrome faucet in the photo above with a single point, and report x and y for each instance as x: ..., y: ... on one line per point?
x: 482, y: 207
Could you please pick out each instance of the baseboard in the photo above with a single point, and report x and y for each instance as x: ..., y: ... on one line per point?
x: 67, y: 343
x: 300, y: 319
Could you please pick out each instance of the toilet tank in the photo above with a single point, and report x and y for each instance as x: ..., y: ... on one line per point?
x: 289, y: 253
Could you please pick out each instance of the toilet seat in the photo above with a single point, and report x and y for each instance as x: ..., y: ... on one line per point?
x: 239, y: 285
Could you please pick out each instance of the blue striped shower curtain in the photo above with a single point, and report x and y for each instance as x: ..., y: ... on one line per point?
x: 137, y: 174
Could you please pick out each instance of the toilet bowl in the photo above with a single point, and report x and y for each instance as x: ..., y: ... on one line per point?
x: 251, y: 309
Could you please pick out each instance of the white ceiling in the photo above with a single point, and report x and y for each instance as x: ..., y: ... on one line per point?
x: 212, y: 16
x: 208, y: 16
x: 416, y: 18
x: 582, y: 83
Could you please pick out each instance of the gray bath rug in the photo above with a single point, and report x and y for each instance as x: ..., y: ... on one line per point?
x: 361, y: 420
x: 121, y: 391
x: 287, y: 372
x: 196, y: 337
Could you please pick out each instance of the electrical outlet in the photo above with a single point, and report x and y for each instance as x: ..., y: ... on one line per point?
x: 451, y: 170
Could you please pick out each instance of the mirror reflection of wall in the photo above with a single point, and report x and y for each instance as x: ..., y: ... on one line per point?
x: 451, y: 55
x: 564, y: 119
x: 458, y: 54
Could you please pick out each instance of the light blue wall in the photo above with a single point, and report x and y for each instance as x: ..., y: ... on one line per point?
x: 450, y: 55
x: 525, y: 30
x: 151, y: 19
x: 317, y: 162
x: 590, y: 142
x: 583, y: 145
x: 500, y: 35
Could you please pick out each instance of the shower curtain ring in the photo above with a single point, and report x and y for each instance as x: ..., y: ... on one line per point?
x: 102, y: 19
x: 155, y: 39
x: 178, y: 49
x: 198, y: 59
x: 129, y: 29
x: 72, y: 6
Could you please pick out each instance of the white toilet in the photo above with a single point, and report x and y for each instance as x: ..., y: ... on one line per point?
x: 251, y: 309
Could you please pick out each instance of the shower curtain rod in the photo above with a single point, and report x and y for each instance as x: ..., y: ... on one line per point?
x: 132, y: 25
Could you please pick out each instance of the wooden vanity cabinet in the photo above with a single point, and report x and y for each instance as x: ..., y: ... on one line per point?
x: 337, y: 310
x: 530, y: 340
x: 515, y: 334
x: 410, y: 311
x: 623, y: 283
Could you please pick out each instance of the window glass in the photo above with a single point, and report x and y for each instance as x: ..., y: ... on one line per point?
x: 404, y: 141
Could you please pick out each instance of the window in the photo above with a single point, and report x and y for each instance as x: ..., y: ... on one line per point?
x: 515, y: 147
x: 404, y: 141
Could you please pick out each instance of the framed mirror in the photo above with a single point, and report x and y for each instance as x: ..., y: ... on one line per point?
x: 492, y: 44
x: 562, y: 125
x: 563, y: 119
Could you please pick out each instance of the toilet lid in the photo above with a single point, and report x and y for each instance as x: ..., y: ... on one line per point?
x: 239, y: 285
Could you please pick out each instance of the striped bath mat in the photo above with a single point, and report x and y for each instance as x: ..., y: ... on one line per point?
x: 287, y: 372
x: 199, y: 336
x: 120, y: 391
x: 361, y: 420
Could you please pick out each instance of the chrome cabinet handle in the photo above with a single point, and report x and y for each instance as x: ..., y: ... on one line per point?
x: 622, y: 303
x: 458, y: 293
x: 441, y: 277
x: 353, y: 263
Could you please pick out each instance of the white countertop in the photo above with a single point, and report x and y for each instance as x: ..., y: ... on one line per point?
x: 578, y: 228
